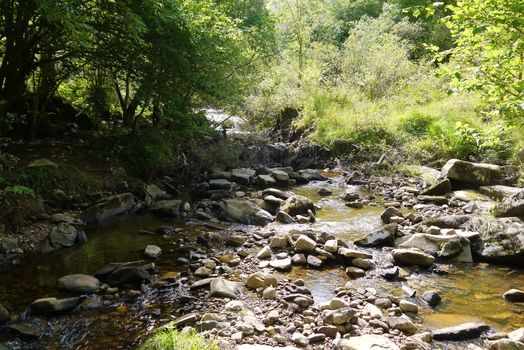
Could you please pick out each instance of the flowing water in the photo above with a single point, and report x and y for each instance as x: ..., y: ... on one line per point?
x: 470, y: 292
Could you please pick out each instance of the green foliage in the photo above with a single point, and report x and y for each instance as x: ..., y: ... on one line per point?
x: 169, y: 338
x: 488, y: 55
x: 144, y: 154
x: 45, y: 179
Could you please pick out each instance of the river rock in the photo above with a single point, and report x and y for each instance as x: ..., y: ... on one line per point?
x: 447, y: 221
x: 277, y: 193
x: 298, y: 205
x: 412, y: 257
x: 324, y: 191
x: 154, y: 193
x: 432, y: 297
x: 108, y: 207
x: 220, y: 184
x: 406, y: 306
x: 281, y: 264
x: 474, y: 173
x: 167, y: 208
x: 53, y: 305
x: 514, y: 295
x: 243, y: 176
x: 222, y: 288
x: 351, y: 194
x: 26, y: 329
x: 305, y: 244
x: 279, y: 175
x: 453, y: 247
x: 383, y: 236
x: 312, y: 175
x: 463, y: 331
x: 246, y: 212
x: 314, y: 262
x: 367, y: 342
x: 389, y: 213
x: 256, y: 280
x: 79, y: 284
x: 339, y: 316
x: 441, y: 188
x: 354, y: 253
x: 403, y: 324
x: 152, y: 251
x: 279, y: 241
x: 263, y: 347
x: 63, y: 235
x: 263, y: 181
x: 284, y: 218
x: 133, y: 275
x: 501, y: 241
x: 499, y: 192
x: 185, y: 320
x: 264, y: 253
x: 511, y: 206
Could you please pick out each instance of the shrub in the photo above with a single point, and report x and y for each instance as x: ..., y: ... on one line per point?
x: 169, y: 338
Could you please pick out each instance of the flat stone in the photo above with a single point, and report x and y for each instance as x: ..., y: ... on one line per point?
x: 108, y: 207
x: 26, y: 329
x: 441, y: 188
x: 281, y: 264
x: 284, y: 218
x: 406, y: 306
x: 79, y: 284
x: 412, y: 257
x: 186, y: 320
x: 354, y: 253
x: 367, y: 342
x: 474, y: 173
x: 314, y: 262
x: 463, y: 331
x: 263, y: 347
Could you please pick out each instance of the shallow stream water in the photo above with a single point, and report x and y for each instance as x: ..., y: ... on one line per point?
x: 470, y: 292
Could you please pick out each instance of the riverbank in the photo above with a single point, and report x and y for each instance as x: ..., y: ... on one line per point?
x: 307, y: 259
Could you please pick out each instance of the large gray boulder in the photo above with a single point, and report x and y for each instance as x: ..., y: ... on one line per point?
x: 108, y: 207
x: 246, y: 212
x: 312, y: 175
x: 441, y: 188
x: 474, y: 173
x: 298, y: 205
x: 512, y: 206
x: 499, y: 191
x: 79, y: 284
x: 501, y: 240
x: 454, y: 247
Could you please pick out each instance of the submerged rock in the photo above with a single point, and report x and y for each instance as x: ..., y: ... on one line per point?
x: 432, y: 297
x: 53, y: 305
x: 133, y: 275
x: 79, y: 284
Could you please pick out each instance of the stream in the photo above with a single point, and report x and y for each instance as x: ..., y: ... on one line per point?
x: 470, y: 292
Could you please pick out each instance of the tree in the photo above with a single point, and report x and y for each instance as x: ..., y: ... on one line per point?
x: 488, y: 55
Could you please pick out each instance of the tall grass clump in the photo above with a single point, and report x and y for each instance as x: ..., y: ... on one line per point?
x: 169, y: 338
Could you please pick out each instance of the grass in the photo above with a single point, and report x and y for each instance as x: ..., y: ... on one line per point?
x: 169, y: 338
x: 420, y: 124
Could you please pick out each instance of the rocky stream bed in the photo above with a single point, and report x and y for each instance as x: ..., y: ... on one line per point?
x: 264, y: 258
